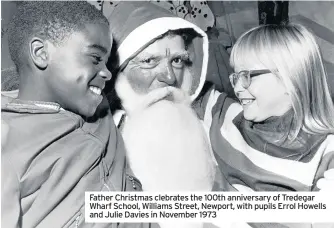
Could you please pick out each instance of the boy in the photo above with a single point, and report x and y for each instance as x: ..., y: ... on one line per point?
x: 58, y: 146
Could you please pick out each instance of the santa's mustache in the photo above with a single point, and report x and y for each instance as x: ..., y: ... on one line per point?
x: 168, y: 93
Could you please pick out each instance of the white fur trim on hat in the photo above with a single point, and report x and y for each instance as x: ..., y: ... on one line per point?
x: 148, y: 31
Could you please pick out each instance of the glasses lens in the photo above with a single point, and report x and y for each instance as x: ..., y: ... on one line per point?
x: 245, y: 79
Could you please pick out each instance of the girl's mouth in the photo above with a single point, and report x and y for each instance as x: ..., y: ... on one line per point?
x: 246, y: 101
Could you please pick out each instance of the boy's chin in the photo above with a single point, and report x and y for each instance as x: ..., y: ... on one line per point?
x: 87, y: 113
x: 102, y: 108
x: 91, y: 110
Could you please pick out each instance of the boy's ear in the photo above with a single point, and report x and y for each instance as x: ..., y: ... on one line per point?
x: 39, y: 53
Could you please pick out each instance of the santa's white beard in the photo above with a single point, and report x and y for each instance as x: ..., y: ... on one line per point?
x: 166, y: 144
x: 167, y: 147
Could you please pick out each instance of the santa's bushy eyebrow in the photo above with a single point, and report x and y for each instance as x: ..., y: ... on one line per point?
x: 184, y: 55
x: 139, y: 59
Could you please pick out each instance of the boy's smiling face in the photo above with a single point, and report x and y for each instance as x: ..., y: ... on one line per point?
x: 77, y: 70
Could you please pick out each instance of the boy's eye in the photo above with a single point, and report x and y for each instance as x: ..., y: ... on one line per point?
x: 96, y: 59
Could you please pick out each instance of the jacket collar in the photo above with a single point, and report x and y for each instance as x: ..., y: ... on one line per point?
x: 23, y: 106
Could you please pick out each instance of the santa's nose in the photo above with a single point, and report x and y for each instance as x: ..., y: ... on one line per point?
x: 167, y: 76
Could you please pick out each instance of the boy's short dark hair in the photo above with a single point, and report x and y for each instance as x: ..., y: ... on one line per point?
x: 51, y: 20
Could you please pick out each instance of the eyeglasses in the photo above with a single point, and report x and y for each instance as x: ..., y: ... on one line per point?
x: 245, y: 77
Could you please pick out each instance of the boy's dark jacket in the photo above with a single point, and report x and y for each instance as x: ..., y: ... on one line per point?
x: 50, y: 158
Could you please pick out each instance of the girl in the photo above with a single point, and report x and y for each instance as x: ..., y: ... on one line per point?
x: 279, y: 136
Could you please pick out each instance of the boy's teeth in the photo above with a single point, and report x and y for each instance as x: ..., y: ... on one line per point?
x: 95, y: 90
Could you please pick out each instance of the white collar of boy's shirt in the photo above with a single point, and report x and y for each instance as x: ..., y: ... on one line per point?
x: 15, y: 93
x: 11, y: 94
x: 50, y: 106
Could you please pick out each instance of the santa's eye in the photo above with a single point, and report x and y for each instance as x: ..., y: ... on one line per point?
x: 178, y: 60
x: 148, y: 63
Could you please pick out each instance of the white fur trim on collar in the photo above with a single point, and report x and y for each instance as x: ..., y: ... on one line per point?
x: 154, y: 28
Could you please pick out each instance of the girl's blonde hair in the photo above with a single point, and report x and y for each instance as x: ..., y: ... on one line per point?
x: 291, y: 52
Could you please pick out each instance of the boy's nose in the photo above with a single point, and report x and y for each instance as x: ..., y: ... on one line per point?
x: 105, y: 74
x: 167, y: 76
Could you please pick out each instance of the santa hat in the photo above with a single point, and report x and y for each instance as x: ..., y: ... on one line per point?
x: 135, y: 25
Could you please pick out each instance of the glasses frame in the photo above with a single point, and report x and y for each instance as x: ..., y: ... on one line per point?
x: 246, y: 79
